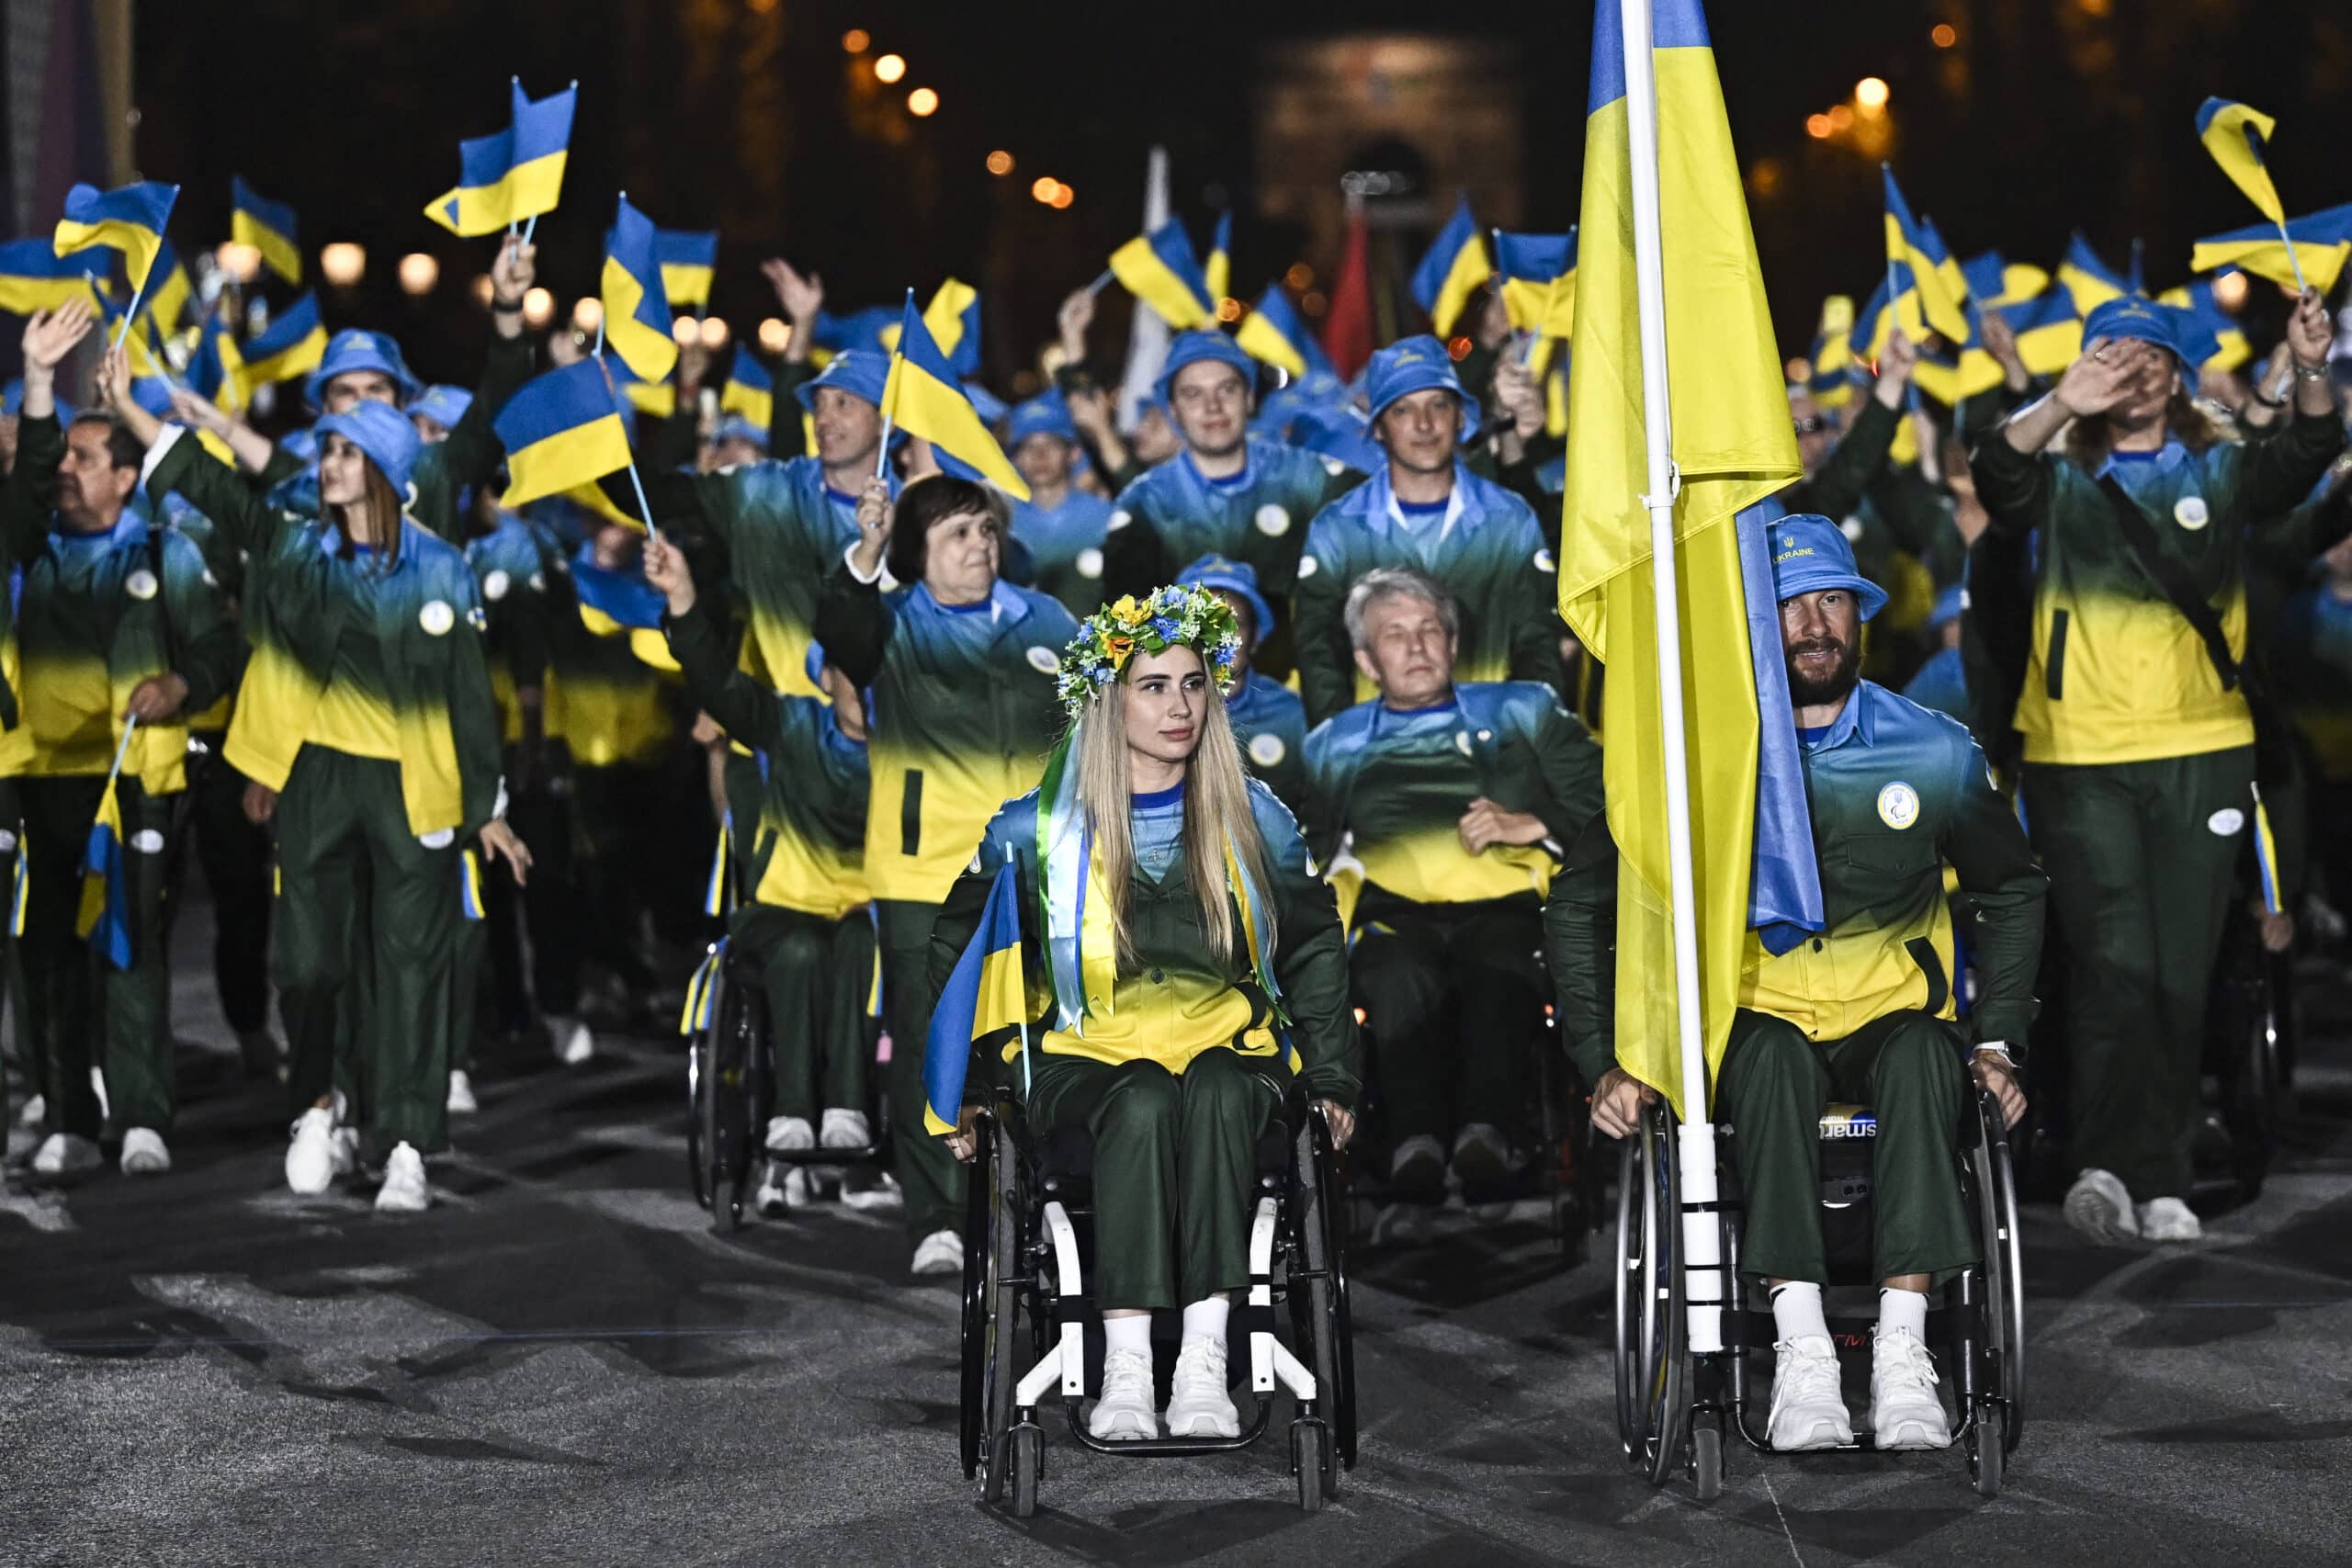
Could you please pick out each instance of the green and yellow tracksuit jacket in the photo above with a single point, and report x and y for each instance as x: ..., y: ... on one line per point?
x: 964, y: 712
x: 808, y: 850
x: 412, y: 686
x: 1173, y: 996
x: 1172, y: 516
x: 1482, y: 543
x: 1387, y: 789
x: 95, y: 615
x: 2116, y: 673
x: 511, y: 565
x: 1270, y: 725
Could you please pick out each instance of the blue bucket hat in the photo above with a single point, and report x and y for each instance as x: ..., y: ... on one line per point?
x: 2130, y: 316
x: 445, y: 405
x: 860, y: 372
x: 1417, y: 364
x: 1046, y: 414
x: 384, y: 434
x: 1235, y: 577
x: 1810, y: 553
x: 1192, y: 348
x: 354, y: 349
x: 735, y: 427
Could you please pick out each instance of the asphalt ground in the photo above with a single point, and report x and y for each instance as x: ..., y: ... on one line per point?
x: 560, y: 1364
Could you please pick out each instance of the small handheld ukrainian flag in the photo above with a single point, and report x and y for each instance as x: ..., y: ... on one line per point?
x: 1929, y: 292
x: 216, y: 369
x: 924, y: 398
x: 289, y: 346
x: 985, y: 1002
x: 35, y: 276
x: 1455, y: 267
x: 689, y: 261
x: 1539, y: 273
x: 562, y: 430
x: 513, y: 174
x: 1273, y: 335
x: 953, y: 319
x: 104, y: 918
x: 131, y: 220
x: 637, y: 312
x: 267, y: 226
x: 750, y: 389
x: 1160, y: 269
x: 2088, y: 280
x: 1217, y: 275
x: 2322, y: 243
x: 169, y: 297
x: 2236, y: 135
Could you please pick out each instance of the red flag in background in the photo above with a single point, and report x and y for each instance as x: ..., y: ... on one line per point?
x: 1348, y: 332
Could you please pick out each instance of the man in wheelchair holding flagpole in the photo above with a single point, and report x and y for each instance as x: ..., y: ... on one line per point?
x: 1862, y: 1009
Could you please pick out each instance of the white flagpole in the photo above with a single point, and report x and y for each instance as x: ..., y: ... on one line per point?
x: 1147, y: 337
x: 1696, y: 1148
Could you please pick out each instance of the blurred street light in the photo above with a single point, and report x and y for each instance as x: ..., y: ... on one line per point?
x: 342, y: 264
x: 588, y: 312
x: 922, y: 102
x: 774, y: 335
x: 1817, y: 125
x: 240, y: 262
x: 684, y: 330
x: 999, y: 162
x: 1871, y: 92
x: 714, y: 332
x: 1063, y: 196
x: 1944, y: 35
x: 890, y: 68
x: 2229, y: 291
x: 479, y: 289
x: 1042, y: 189
x: 418, y: 273
x: 539, y: 308
x: 855, y: 39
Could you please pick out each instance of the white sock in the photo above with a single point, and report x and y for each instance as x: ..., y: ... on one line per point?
x: 1127, y: 1334
x: 1206, y: 1320
x: 1797, y: 1311
x: 1902, y: 1311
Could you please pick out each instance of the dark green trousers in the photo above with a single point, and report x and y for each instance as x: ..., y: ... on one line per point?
x: 365, y: 949
x: 818, y: 974
x: 75, y: 1002
x: 234, y: 853
x: 1173, y: 1158
x: 2140, y: 878
x: 932, y: 1179
x: 1452, y: 998
x: 1907, y: 1068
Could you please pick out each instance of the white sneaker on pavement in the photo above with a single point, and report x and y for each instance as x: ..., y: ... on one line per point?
x: 1809, y: 1406
x: 404, y: 1191
x: 1199, y: 1403
x: 2100, y: 1207
x: 320, y: 1151
x: 461, y: 1101
x: 942, y: 1252
x: 34, y: 1112
x: 782, y: 1188
x: 66, y: 1153
x: 1906, y: 1411
x: 2169, y: 1219
x: 576, y: 1044
x: 1123, y: 1413
x: 143, y: 1152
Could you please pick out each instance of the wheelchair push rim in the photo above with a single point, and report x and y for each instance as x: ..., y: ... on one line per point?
x: 1651, y: 1416
x: 2003, y: 1247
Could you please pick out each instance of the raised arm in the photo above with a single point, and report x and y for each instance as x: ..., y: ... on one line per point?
x: 50, y: 336
x: 714, y: 679
x: 175, y: 462
x: 853, y: 624
x: 472, y: 452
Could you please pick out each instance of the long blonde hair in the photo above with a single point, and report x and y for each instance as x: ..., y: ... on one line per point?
x: 1216, y: 813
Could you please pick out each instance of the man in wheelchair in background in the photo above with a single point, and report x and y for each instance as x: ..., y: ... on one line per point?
x: 1860, y: 1011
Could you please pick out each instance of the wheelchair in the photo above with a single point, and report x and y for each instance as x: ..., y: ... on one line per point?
x: 730, y: 1089
x: 2247, y: 1044
x: 1676, y: 1409
x: 1030, y: 1329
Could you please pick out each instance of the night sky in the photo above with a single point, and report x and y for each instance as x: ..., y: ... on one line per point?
x: 2045, y: 116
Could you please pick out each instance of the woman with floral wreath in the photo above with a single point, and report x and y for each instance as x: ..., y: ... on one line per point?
x: 1191, y: 968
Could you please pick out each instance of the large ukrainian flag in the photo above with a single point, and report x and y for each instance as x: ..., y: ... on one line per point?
x: 637, y: 313
x: 923, y: 397
x: 560, y: 431
x: 510, y: 175
x: 985, y: 997
x: 1732, y: 446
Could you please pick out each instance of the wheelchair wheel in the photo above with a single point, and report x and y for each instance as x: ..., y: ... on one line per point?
x: 1028, y: 1464
x: 1310, y: 1460
x: 992, y: 1307
x: 730, y: 1081
x: 2250, y: 1098
x: 1321, y: 1315
x: 1651, y: 1331
x: 1707, y: 1459
x: 2004, y: 1245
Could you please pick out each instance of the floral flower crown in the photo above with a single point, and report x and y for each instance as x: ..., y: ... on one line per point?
x: 1189, y: 617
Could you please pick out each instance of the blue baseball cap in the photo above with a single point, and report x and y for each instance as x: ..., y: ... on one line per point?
x: 860, y: 372
x: 1046, y: 414
x: 1417, y: 364
x: 385, y: 434
x: 1193, y: 348
x: 1811, y: 553
x: 444, y: 405
x: 2131, y: 316
x: 354, y: 349
x: 1235, y: 577
x: 735, y: 427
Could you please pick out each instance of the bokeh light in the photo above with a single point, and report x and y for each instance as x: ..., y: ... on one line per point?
x: 775, y: 335
x: 922, y: 102
x: 539, y: 308
x: 418, y: 273
x: 342, y: 264
x: 890, y: 68
x: 855, y: 39
x: 999, y: 162
x: 588, y: 313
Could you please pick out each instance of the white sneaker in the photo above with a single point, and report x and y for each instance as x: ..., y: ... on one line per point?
x: 2169, y: 1219
x: 1199, y: 1404
x: 842, y: 1130
x: 66, y: 1153
x: 319, y: 1151
x: 1905, y: 1410
x: 942, y: 1252
x: 404, y: 1191
x: 1124, y: 1412
x: 790, y: 1133
x: 461, y: 1101
x: 574, y: 1045
x: 143, y: 1152
x: 784, y: 1187
x: 34, y: 1112
x: 2100, y: 1207
x: 1808, y: 1407
x: 865, y: 1189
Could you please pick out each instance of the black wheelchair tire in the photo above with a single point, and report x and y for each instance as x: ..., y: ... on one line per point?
x: 1707, y: 1459
x: 1652, y: 1412
x: 1028, y: 1464
x: 1310, y: 1460
x: 1987, y: 1453
x: 732, y: 1078
x: 1325, y: 1321
x: 697, y: 1075
x: 1994, y: 1178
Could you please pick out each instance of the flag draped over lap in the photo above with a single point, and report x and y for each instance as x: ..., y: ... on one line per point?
x: 1733, y: 446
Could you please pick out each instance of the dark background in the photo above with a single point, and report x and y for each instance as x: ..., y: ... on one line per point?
x: 2045, y: 116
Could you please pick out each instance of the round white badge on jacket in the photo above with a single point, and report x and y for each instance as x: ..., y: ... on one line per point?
x: 1273, y: 521
x: 1090, y: 562
x: 495, y: 584
x: 1044, y: 661
x: 2191, y: 513
x: 139, y: 584
x: 1898, y: 805
x: 436, y: 617
x: 2225, y: 822
x: 1266, y: 750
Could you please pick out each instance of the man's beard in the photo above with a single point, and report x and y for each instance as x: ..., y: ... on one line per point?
x: 1830, y: 688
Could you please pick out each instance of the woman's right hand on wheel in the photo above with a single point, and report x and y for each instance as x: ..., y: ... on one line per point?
x: 963, y: 1142
x: 1617, y: 1102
